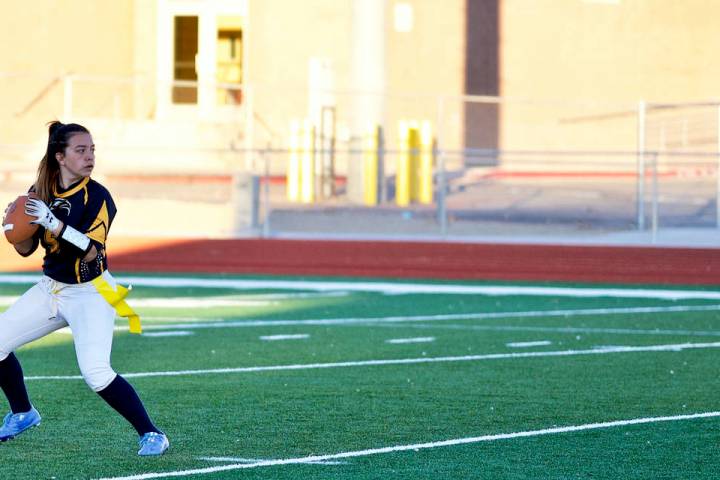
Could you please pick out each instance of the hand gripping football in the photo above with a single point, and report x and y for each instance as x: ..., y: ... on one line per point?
x: 16, y: 224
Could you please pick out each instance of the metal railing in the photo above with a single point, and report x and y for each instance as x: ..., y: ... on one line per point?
x: 539, y: 195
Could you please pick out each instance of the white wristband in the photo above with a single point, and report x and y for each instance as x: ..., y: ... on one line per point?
x: 80, y: 240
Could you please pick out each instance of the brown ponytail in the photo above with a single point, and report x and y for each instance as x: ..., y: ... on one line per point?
x: 49, y: 169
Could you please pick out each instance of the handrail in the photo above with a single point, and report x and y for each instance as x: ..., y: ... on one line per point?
x: 37, y: 98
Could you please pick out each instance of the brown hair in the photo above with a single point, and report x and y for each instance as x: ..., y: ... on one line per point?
x: 49, y: 169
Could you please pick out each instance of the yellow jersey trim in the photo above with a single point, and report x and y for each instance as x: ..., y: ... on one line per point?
x: 73, y: 190
x: 98, y: 229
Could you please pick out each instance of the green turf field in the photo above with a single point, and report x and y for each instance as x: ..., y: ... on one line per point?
x: 289, y: 378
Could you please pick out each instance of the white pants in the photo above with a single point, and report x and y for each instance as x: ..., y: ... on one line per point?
x: 50, y: 305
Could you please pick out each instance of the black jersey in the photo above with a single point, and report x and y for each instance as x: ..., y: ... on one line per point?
x: 87, y: 207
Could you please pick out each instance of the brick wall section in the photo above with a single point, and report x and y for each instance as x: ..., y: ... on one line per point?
x: 691, y: 266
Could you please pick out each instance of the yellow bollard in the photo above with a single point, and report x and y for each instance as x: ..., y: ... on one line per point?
x: 300, y: 176
x: 425, y: 170
x: 370, y: 166
x: 414, y: 148
x: 292, y: 179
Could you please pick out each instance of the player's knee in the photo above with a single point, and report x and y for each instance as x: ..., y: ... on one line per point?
x: 5, y: 349
x: 98, y: 377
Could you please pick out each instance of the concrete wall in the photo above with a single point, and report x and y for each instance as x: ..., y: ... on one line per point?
x: 282, y: 37
x: 572, y: 70
x: 594, y: 59
x: 43, y: 39
x: 417, y: 65
x: 426, y: 62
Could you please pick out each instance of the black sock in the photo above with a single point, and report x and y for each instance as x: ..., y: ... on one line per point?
x: 121, y: 396
x: 13, y: 384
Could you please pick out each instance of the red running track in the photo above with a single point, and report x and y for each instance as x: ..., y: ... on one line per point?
x: 443, y: 260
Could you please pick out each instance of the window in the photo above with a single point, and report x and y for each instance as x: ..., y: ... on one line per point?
x: 186, y: 49
x: 229, y: 60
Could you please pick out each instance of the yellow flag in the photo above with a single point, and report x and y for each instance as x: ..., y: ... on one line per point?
x: 116, y: 298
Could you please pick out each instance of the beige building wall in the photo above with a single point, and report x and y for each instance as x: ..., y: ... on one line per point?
x: 424, y: 64
x: 421, y: 63
x: 576, y: 69
x: 44, y: 39
x: 48, y: 36
x: 143, y: 39
x: 571, y: 71
x: 283, y: 37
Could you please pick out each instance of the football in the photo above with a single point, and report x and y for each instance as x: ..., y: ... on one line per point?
x: 16, y: 224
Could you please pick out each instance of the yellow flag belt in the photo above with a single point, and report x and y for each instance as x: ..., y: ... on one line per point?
x: 116, y: 298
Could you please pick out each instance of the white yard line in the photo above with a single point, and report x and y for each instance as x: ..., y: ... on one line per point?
x: 541, y: 343
x: 419, y: 446
x: 221, y: 323
x: 231, y: 459
x: 179, y: 302
x: 295, y: 336
x: 255, y: 300
x: 298, y: 295
x: 411, y: 340
x: 396, y: 287
x: 255, y: 460
x: 407, y: 361
x: 481, y: 315
x: 173, y: 333
x: 518, y: 328
x: 198, y: 302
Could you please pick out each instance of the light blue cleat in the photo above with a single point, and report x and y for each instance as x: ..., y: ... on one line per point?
x: 16, y: 423
x: 153, y: 443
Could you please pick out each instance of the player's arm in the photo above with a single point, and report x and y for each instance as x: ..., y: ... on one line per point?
x: 44, y: 217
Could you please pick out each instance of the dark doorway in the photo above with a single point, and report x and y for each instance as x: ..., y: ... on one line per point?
x: 186, y: 49
x: 482, y: 73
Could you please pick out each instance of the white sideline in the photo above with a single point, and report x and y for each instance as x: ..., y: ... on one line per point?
x: 406, y: 361
x: 414, y: 288
x: 221, y: 323
x: 417, y: 446
x: 395, y: 288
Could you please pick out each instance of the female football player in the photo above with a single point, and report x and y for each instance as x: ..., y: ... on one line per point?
x: 75, y: 214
